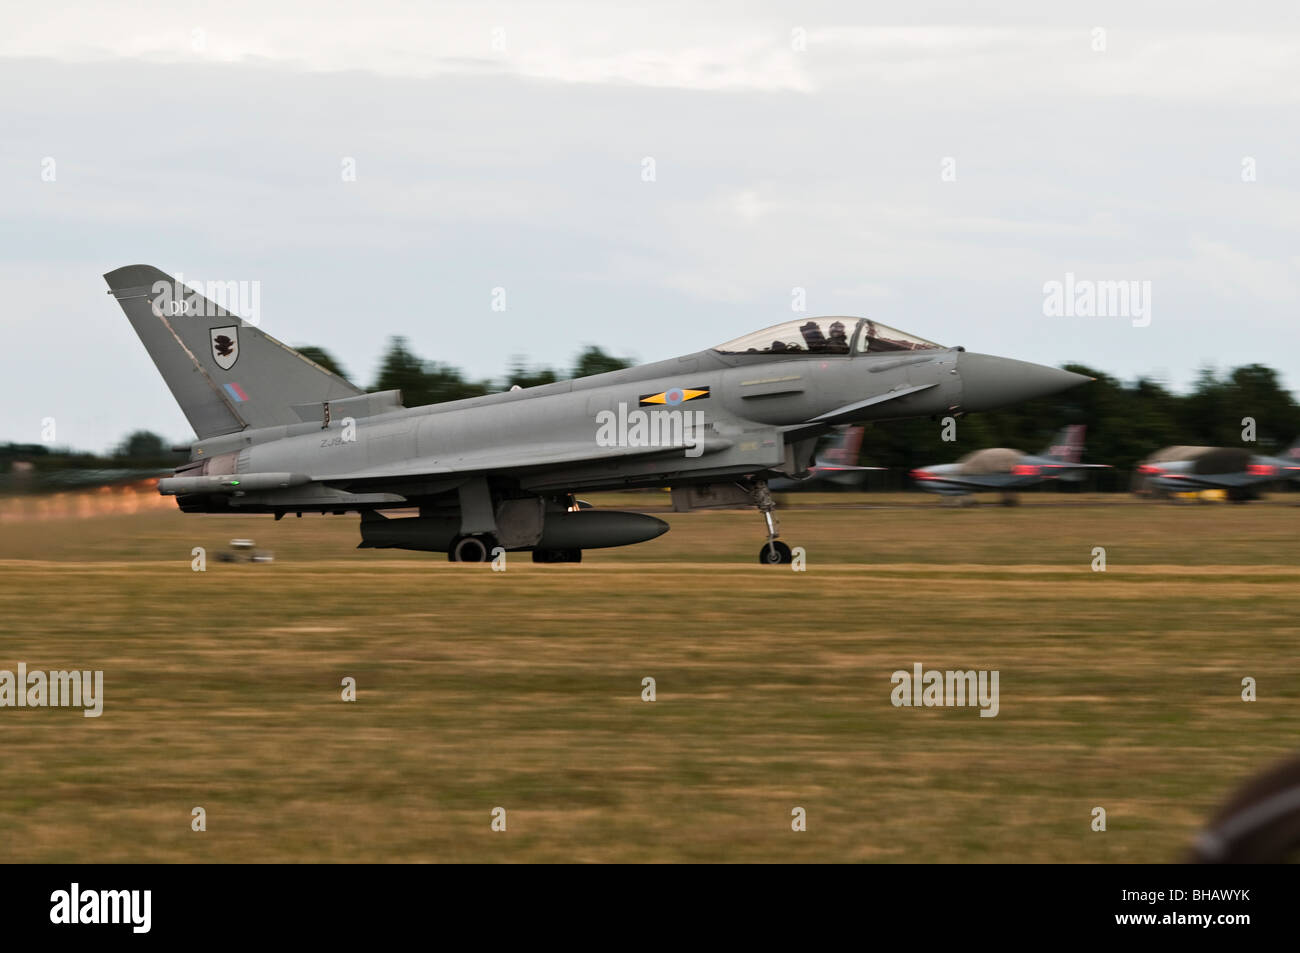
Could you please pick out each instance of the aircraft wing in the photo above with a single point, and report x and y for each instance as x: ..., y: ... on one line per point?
x: 1207, y: 481
x: 1071, y: 472
x: 830, y: 469
x: 1029, y: 473
x: 986, y: 481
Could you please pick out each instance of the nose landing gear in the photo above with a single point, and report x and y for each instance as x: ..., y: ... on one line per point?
x: 774, y: 552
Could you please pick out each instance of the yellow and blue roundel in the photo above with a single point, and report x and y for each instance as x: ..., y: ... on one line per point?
x: 674, y: 396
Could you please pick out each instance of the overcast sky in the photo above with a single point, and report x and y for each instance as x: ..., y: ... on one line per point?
x: 920, y: 163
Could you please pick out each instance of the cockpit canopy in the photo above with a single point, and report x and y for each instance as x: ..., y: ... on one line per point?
x: 826, y: 336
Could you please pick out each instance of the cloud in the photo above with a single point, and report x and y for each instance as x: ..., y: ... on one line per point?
x: 521, y: 168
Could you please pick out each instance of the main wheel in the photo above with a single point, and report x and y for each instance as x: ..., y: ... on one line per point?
x: 774, y: 553
x: 471, y: 549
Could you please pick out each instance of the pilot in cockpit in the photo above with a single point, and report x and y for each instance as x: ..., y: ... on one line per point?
x: 813, y: 336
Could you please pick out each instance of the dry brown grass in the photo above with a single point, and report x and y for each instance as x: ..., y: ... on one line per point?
x: 522, y: 689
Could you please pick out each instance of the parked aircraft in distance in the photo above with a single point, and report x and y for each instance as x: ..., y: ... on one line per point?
x: 1237, y: 472
x: 1006, y: 471
x: 835, y: 464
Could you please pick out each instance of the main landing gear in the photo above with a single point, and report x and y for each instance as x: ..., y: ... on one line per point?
x: 774, y: 552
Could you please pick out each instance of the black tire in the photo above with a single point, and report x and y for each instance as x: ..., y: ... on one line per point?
x: 775, y: 553
x: 471, y: 549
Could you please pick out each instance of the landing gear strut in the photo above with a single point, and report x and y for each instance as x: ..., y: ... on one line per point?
x: 774, y: 552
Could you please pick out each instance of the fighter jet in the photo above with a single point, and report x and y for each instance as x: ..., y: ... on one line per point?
x: 1236, y: 471
x: 277, y: 433
x: 834, y: 465
x: 1007, y: 471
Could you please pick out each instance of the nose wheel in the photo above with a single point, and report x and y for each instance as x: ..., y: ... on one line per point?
x: 774, y: 552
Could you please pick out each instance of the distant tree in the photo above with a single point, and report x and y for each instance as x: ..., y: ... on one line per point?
x: 444, y: 382
x: 324, y: 358
x: 1202, y: 414
x: 1255, y: 391
x: 1126, y: 421
x: 519, y: 373
x: 23, y: 450
x: 401, y: 370
x: 422, y: 382
x: 142, y: 445
x: 595, y: 361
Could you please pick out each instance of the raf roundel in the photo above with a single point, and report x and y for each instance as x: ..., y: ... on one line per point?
x: 674, y: 396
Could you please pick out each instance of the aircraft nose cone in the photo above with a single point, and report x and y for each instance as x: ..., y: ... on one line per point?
x: 988, y: 382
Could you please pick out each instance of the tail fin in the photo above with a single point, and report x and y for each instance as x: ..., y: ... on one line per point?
x: 842, y: 450
x: 225, y: 373
x: 1067, y: 446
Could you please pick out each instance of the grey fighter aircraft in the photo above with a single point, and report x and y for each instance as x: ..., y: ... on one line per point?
x: 279, y: 434
x: 1006, y: 471
x: 1236, y: 471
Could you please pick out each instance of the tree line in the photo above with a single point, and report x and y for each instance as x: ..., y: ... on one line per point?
x: 1126, y: 421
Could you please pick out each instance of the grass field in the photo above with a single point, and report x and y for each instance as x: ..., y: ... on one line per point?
x: 522, y: 689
